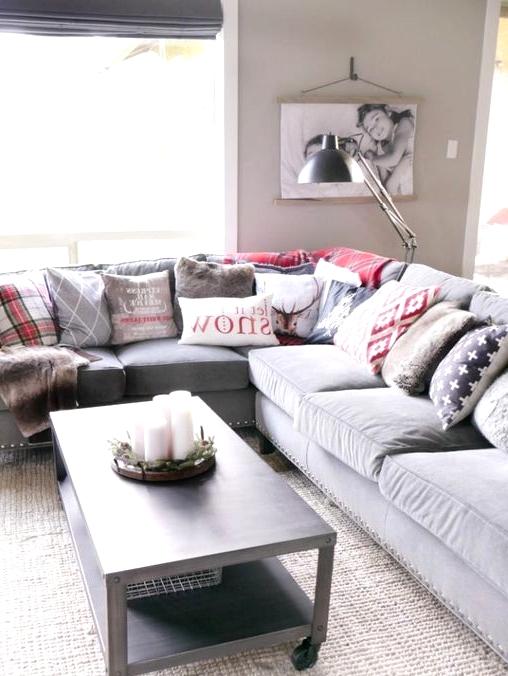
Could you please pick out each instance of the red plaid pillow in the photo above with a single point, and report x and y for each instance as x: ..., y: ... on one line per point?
x: 25, y: 318
x: 368, y: 265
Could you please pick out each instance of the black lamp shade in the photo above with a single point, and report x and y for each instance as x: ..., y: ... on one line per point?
x: 331, y: 165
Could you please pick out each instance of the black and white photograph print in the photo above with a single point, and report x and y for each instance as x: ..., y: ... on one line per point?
x: 384, y: 131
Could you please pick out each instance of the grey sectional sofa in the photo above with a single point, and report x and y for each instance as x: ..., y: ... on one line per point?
x: 436, y: 499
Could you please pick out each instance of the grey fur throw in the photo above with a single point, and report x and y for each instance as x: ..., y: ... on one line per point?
x: 415, y: 355
x: 197, y: 279
x: 37, y: 380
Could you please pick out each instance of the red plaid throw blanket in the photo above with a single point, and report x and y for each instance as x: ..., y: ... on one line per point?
x: 368, y: 265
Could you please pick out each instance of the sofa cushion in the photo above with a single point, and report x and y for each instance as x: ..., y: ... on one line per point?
x: 490, y: 415
x: 26, y: 316
x: 295, y: 301
x: 103, y: 380
x: 160, y: 366
x: 81, y: 307
x: 371, y: 330
x: 227, y: 321
x: 450, y: 287
x: 285, y: 374
x: 412, y: 360
x: 461, y: 498
x: 466, y: 372
x: 362, y: 427
x: 140, y: 307
x: 490, y: 307
x: 303, y: 269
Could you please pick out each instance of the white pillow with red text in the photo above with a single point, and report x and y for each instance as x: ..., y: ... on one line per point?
x: 231, y: 322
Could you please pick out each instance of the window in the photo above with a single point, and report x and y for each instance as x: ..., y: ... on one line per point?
x: 111, y: 148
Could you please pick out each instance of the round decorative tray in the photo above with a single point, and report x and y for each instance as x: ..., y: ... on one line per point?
x: 199, y: 460
x: 141, y: 474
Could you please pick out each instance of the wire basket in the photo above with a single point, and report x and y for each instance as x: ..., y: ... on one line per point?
x: 175, y: 583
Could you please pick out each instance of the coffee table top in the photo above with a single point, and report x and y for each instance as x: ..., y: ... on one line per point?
x: 238, y: 511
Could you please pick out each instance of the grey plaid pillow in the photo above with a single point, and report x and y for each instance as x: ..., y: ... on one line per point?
x: 81, y: 307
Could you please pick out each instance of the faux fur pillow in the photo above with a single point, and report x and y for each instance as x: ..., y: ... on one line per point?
x: 410, y: 363
x: 197, y: 279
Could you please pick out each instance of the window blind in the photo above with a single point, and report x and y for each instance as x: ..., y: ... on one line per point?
x: 199, y: 19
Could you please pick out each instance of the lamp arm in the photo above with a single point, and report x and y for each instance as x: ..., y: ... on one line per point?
x: 386, y: 203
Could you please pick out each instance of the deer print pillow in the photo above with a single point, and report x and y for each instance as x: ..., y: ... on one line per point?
x: 295, y: 301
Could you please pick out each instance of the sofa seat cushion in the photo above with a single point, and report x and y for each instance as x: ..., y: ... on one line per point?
x: 285, y: 374
x: 461, y: 498
x: 102, y: 381
x: 362, y: 427
x: 162, y: 365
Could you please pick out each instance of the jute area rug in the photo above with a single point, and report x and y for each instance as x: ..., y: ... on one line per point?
x: 381, y: 621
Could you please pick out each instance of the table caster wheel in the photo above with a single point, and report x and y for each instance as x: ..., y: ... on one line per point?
x: 305, y: 655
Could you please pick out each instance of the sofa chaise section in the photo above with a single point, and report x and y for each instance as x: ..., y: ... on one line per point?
x: 363, y: 427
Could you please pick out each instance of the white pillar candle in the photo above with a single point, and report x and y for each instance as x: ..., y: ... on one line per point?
x: 156, y: 438
x: 182, y: 423
x: 162, y: 407
x: 137, y: 434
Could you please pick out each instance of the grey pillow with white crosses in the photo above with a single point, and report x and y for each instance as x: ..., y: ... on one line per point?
x: 467, y: 371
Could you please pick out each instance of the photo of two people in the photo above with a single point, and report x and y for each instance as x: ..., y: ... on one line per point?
x: 383, y: 131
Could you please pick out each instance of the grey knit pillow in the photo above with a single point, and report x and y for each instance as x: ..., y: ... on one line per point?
x: 196, y: 279
x: 80, y: 306
x: 490, y: 415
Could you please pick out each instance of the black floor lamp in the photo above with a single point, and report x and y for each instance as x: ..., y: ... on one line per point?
x: 339, y: 161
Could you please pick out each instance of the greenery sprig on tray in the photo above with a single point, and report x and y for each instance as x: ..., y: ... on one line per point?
x: 203, y: 450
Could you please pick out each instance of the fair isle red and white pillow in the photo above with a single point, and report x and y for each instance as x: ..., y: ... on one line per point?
x: 373, y: 327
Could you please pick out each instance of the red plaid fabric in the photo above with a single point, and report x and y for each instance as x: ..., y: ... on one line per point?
x: 283, y: 258
x: 368, y: 265
x: 24, y: 315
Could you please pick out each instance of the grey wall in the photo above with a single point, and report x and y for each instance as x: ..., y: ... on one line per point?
x: 429, y: 49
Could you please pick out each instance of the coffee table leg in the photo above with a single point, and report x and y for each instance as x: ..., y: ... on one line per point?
x: 305, y: 655
x: 116, y: 627
x: 322, y: 595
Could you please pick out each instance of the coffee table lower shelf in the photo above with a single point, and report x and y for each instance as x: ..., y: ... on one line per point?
x: 256, y: 604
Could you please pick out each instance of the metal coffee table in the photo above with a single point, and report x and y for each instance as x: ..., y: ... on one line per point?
x: 231, y: 522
